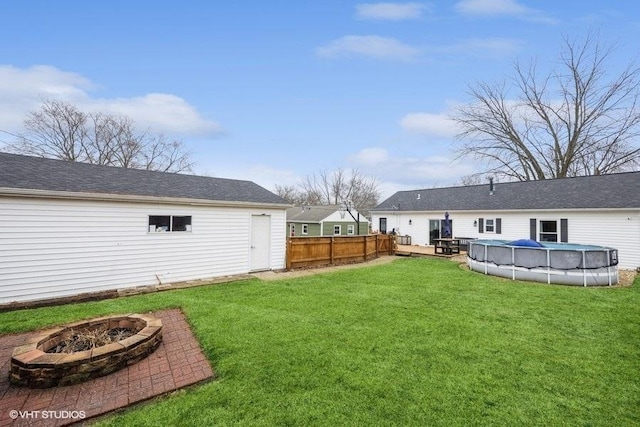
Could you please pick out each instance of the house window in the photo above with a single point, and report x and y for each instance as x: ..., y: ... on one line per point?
x: 305, y: 229
x: 351, y: 229
x: 489, y: 225
x: 292, y: 230
x: 169, y: 223
x: 337, y: 230
x: 548, y: 231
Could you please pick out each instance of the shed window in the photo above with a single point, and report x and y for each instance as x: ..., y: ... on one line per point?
x: 305, y: 229
x: 351, y: 229
x: 169, y: 223
x: 337, y: 230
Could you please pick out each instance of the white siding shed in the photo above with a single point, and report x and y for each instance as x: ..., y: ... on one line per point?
x: 59, y: 237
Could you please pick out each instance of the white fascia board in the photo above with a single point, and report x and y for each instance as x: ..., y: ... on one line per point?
x: 108, y: 197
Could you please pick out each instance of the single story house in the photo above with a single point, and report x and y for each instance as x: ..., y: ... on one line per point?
x: 70, y: 228
x: 329, y: 220
x: 599, y: 210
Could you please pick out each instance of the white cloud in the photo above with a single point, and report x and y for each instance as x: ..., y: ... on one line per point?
x: 43, y: 81
x: 368, y: 46
x: 159, y: 111
x: 431, y: 124
x: 397, y: 173
x: 24, y: 90
x: 390, y: 11
x: 370, y: 156
x: 504, y: 8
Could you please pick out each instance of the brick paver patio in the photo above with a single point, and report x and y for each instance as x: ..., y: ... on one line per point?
x: 176, y: 363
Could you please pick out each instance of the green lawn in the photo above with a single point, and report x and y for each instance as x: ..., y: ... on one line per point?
x: 415, y: 342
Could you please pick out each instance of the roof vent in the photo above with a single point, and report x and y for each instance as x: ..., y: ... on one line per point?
x: 491, y: 187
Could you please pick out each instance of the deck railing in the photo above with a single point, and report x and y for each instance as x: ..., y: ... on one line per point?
x: 306, y: 252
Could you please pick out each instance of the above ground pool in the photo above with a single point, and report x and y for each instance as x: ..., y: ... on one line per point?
x: 549, y: 262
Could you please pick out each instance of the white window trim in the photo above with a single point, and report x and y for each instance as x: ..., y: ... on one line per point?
x: 493, y: 225
x: 339, y: 227
x: 540, y: 232
x: 305, y: 229
x: 351, y: 229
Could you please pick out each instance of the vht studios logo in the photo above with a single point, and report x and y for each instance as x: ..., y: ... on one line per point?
x: 53, y: 415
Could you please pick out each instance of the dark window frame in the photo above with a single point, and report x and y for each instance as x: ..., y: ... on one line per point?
x: 169, y: 223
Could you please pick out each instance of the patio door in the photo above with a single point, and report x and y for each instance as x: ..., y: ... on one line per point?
x: 383, y: 225
x: 436, y: 229
x: 442, y: 233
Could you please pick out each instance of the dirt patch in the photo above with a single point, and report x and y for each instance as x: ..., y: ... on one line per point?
x: 626, y: 277
x: 87, y: 339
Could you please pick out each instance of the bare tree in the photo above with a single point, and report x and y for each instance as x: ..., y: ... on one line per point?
x: 291, y: 194
x: 570, y: 122
x: 340, y: 186
x: 57, y: 130
x: 160, y: 154
x: 61, y: 131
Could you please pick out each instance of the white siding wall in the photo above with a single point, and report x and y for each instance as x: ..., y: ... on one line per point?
x: 345, y: 217
x: 618, y: 229
x: 53, y: 248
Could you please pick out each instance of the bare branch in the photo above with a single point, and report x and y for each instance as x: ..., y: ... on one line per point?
x: 569, y: 122
x: 339, y: 186
x: 61, y: 131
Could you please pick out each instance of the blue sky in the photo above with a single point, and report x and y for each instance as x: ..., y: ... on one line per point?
x: 272, y: 91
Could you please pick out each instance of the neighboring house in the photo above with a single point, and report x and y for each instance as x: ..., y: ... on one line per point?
x: 330, y: 220
x: 599, y: 210
x: 70, y: 228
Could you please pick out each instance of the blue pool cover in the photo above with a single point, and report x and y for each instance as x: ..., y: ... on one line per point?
x: 527, y: 243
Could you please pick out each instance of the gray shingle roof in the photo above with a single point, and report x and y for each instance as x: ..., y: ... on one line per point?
x: 34, y: 173
x: 310, y: 213
x: 620, y: 190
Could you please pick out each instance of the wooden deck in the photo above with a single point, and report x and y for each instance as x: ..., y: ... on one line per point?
x: 415, y: 250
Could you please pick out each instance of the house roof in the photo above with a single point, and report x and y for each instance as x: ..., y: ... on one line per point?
x: 310, y: 213
x: 317, y: 214
x: 35, y: 173
x: 613, y: 191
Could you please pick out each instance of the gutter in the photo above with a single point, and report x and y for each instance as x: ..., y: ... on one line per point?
x: 109, y: 197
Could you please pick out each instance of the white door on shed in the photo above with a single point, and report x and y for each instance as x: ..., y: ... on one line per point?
x: 260, y: 242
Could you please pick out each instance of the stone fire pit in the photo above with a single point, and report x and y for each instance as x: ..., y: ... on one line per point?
x: 33, y: 367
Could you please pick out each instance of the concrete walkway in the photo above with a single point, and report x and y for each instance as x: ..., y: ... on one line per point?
x: 275, y: 275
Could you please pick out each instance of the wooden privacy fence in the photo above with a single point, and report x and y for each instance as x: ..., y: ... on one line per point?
x: 305, y: 252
